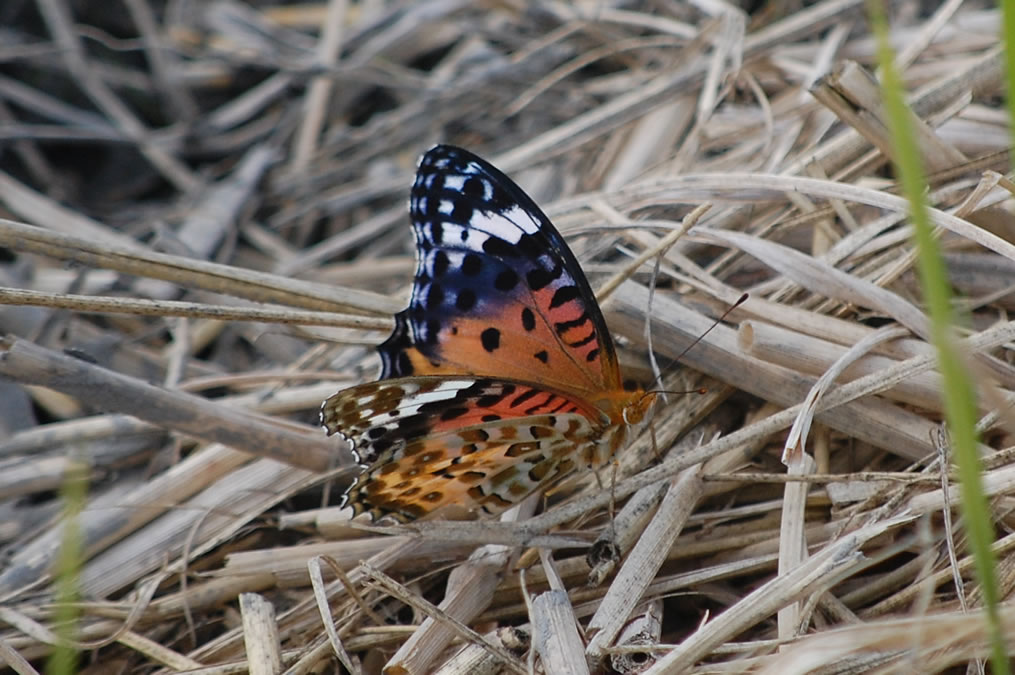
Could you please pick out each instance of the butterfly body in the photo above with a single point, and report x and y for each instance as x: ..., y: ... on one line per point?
x: 500, y: 377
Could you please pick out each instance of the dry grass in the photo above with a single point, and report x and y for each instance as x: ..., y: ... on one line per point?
x: 205, y: 213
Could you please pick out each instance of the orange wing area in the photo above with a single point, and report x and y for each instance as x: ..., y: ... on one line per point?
x: 484, y: 346
x: 497, y: 291
x: 487, y: 467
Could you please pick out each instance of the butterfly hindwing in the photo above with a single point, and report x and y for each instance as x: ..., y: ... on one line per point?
x: 497, y: 291
x: 432, y: 442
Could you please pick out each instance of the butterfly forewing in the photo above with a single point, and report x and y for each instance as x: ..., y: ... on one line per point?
x: 497, y: 291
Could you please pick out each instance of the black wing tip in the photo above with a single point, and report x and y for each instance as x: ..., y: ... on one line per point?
x: 458, y: 154
x: 448, y: 150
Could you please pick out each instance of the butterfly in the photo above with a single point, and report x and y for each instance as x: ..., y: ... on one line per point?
x: 500, y: 377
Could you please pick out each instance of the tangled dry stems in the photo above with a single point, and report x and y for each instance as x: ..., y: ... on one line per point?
x: 228, y: 185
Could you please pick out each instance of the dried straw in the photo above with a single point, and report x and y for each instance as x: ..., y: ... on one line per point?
x: 203, y: 206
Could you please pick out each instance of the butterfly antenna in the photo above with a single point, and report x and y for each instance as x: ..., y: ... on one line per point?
x: 741, y: 300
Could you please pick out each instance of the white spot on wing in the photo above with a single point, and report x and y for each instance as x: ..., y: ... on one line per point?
x: 454, y: 182
x: 456, y: 236
x: 444, y: 391
x: 497, y: 225
x: 455, y: 260
x: 454, y: 385
x: 522, y: 219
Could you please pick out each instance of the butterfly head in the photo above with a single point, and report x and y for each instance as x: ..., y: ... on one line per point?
x: 636, y: 411
x: 627, y: 407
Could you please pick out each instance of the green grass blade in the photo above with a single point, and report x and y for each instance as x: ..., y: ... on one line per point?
x: 64, y: 659
x: 959, y: 394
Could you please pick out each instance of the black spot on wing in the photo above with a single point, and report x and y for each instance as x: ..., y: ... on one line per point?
x: 563, y: 327
x: 522, y: 398
x: 435, y: 296
x: 466, y: 300
x: 490, y: 400
x: 380, y: 445
x: 440, y: 264
x: 462, y: 212
x: 539, y: 278
x: 528, y: 319
x: 453, y: 413
x: 490, y: 339
x: 499, y: 248
x: 475, y: 188
x: 564, y: 295
x: 472, y: 265
x: 506, y: 280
